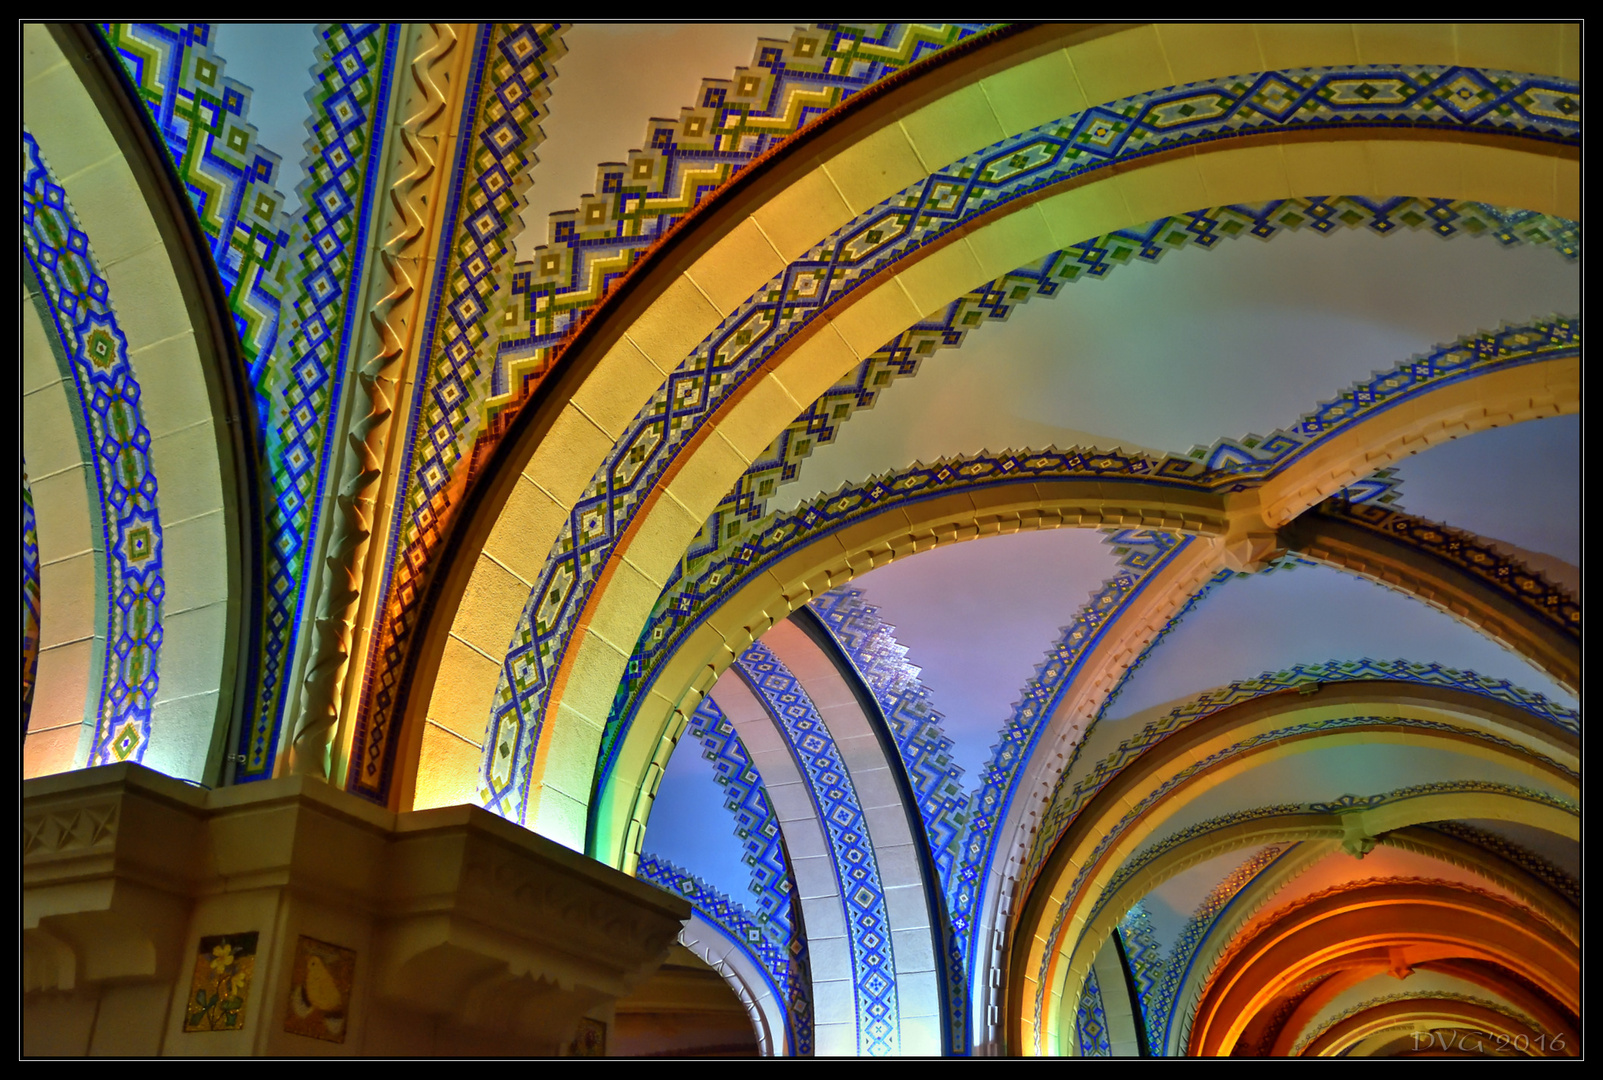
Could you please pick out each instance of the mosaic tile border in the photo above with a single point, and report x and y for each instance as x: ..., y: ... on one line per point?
x: 1067, y: 800
x: 30, y: 598
x: 302, y: 385
x: 856, y: 868
x: 507, y: 88
x: 107, y: 394
x: 785, y: 967
x: 756, y: 824
x: 1208, y: 913
x: 1554, y: 877
x: 1526, y: 587
x: 1093, y: 260
x: 1377, y: 96
x: 1054, y: 937
x: 1091, y: 1025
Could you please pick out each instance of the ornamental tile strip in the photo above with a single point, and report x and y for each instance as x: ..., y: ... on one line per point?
x: 302, y: 387
x: 784, y: 966
x: 795, y: 83
x: 1067, y: 800
x: 1092, y: 1022
x: 85, y: 322
x: 200, y: 115
x: 507, y: 89
x: 291, y: 287
x: 1378, y: 96
x: 1555, y: 877
x: 834, y: 798
x: 1147, y: 965
x: 1183, y: 954
x: 1346, y: 803
x: 755, y: 821
x: 1466, y: 551
x: 733, y: 122
x: 30, y: 598
x: 1093, y: 260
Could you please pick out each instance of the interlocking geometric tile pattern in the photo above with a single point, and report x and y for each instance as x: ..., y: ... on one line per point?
x: 290, y: 285
x: 1145, y: 954
x: 1378, y: 96
x: 505, y: 99
x: 1093, y: 260
x: 783, y: 964
x: 1347, y: 803
x: 1092, y: 1021
x: 107, y: 395
x: 845, y: 826
x: 30, y: 598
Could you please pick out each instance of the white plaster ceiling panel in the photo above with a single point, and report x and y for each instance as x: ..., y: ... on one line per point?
x: 615, y: 78
x: 978, y: 617
x: 1241, y: 339
x: 1520, y: 485
x: 1308, y: 615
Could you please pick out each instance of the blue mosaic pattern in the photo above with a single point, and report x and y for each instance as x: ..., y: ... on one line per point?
x: 1092, y: 1021
x: 30, y: 598
x: 1068, y: 800
x: 1183, y: 954
x: 1054, y: 938
x: 1147, y: 965
x: 301, y: 385
x: 504, y: 99
x: 1369, y: 97
x: 914, y: 723
x: 1092, y: 260
x: 85, y: 322
x: 868, y: 928
x: 905, y: 703
x: 755, y: 821
x: 201, y: 116
x: 783, y: 964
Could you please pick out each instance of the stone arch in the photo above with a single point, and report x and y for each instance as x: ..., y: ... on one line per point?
x: 193, y: 396
x: 587, y: 426
x: 1128, y: 806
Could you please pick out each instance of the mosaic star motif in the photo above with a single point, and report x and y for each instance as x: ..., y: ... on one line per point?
x: 107, y: 395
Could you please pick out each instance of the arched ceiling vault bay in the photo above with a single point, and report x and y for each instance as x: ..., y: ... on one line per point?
x: 735, y: 535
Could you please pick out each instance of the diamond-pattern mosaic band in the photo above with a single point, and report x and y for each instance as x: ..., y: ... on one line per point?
x: 30, y: 598
x: 845, y: 826
x: 1405, y: 97
x: 784, y: 964
x: 106, y: 392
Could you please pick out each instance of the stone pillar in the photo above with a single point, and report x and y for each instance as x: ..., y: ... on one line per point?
x: 290, y: 918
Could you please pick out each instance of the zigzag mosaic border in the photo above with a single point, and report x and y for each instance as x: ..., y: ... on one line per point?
x: 1538, y: 867
x: 291, y: 288
x: 856, y: 868
x: 1091, y: 1024
x: 1527, y: 588
x: 842, y: 55
x: 1147, y: 964
x: 1054, y: 938
x: 301, y: 385
x: 756, y: 824
x: 1183, y: 954
x: 30, y: 598
x: 1376, y: 96
x: 1095, y: 259
x: 107, y: 394
x: 505, y: 98
x: 785, y: 967
x: 1067, y: 801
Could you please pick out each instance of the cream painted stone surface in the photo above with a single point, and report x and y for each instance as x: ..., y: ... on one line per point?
x: 471, y: 936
